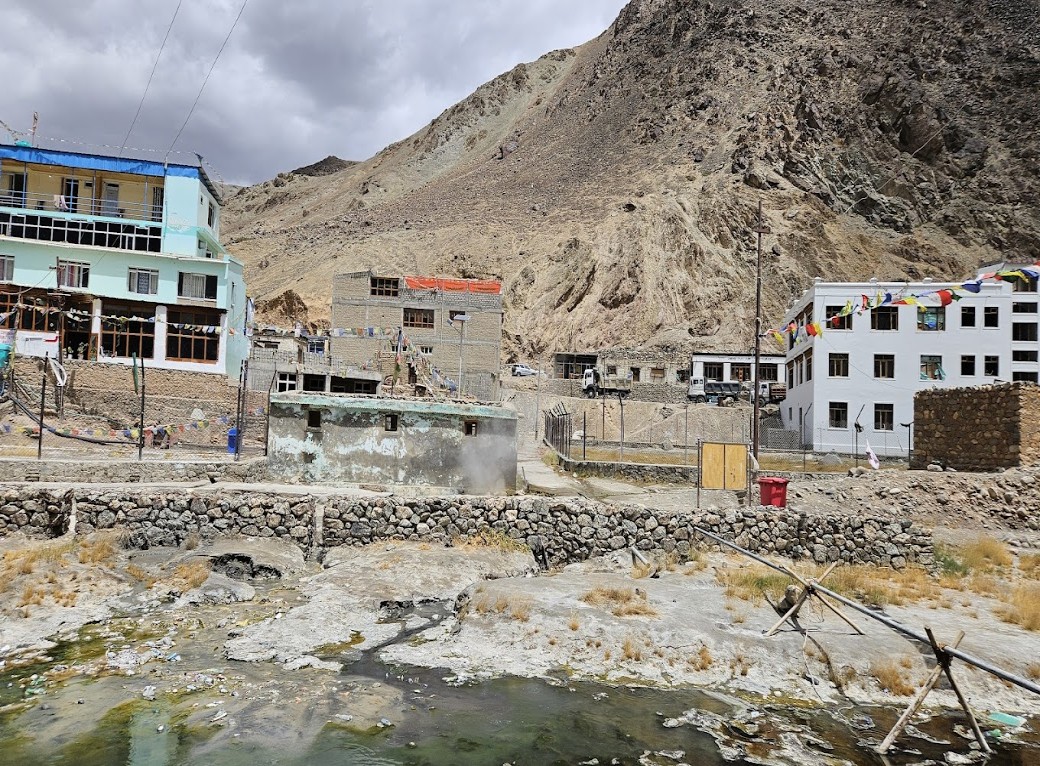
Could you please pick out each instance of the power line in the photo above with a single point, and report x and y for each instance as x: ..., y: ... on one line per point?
x: 212, y: 66
x: 150, y: 76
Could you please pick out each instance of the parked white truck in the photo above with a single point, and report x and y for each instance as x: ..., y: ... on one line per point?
x: 595, y: 382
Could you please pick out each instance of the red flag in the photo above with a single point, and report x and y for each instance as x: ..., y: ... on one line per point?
x: 945, y: 297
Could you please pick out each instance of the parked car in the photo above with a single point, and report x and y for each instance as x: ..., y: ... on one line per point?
x: 523, y: 371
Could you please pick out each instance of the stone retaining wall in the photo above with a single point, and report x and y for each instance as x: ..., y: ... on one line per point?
x: 983, y: 428
x: 570, y: 529
x: 651, y: 472
x: 121, y: 471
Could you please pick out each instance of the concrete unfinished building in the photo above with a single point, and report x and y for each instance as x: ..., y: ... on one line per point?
x: 452, y: 323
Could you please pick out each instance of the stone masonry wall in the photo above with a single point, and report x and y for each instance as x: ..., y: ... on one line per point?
x: 983, y: 428
x: 122, y: 471
x: 570, y: 529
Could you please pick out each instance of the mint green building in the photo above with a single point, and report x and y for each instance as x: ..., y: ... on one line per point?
x: 106, y: 257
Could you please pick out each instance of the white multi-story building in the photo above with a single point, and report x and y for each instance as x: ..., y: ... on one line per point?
x: 865, y: 367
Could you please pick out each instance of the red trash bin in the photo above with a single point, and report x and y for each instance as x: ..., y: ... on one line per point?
x: 773, y: 491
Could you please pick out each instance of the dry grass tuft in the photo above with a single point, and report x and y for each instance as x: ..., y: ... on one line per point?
x: 100, y: 547
x: 1029, y: 565
x: 520, y: 610
x: 491, y: 538
x: 740, y: 664
x: 622, y: 602
x: 191, y: 574
x: 573, y: 623
x: 1033, y: 671
x: 1022, y: 606
x: 702, y: 660
x: 630, y: 650
x: 141, y: 574
x: 892, y: 677
x: 24, y: 561
x: 191, y: 542
x: 984, y: 555
x: 641, y: 570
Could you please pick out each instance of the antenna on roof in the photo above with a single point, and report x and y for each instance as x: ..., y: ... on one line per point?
x: 36, y: 123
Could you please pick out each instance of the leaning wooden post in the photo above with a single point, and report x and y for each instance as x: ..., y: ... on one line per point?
x: 918, y: 700
x: 944, y: 659
x: 810, y: 586
x: 806, y: 592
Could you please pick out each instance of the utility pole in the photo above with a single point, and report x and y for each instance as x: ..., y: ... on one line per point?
x: 760, y: 229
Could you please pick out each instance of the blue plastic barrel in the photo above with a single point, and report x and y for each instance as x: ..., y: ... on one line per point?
x: 5, y: 354
x: 232, y: 440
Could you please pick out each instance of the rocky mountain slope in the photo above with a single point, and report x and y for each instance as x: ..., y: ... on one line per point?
x: 613, y: 187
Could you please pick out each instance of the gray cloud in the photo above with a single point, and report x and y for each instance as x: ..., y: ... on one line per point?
x: 298, y: 80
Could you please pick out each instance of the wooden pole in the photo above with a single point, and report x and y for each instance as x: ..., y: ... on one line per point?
x: 916, y: 703
x: 943, y: 658
x: 43, y: 404
x: 140, y: 435
x: 806, y: 593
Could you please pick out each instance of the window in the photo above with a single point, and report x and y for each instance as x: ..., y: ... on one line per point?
x: 316, y: 346
x: 839, y: 415
x: 69, y: 201
x: 931, y: 367
x: 192, y: 336
x: 157, y: 204
x: 808, y: 365
x: 470, y: 428
x: 1023, y: 308
x: 967, y: 366
x: 635, y: 374
x: 211, y: 215
x: 713, y: 370
x: 426, y: 350
x: 73, y: 274
x: 287, y: 381
x: 768, y: 372
x: 313, y: 418
x: 1025, y: 286
x: 932, y: 319
x: 6, y: 268
x: 1023, y: 331
x: 611, y: 369
x: 740, y: 372
x: 419, y: 318
x: 884, y: 417
x: 1025, y: 377
x: 128, y: 337
x: 884, y: 365
x: 390, y: 421
x: 835, y: 322
x: 799, y: 370
x: 967, y: 316
x: 143, y: 281
x: 200, y: 287
x: 657, y: 374
x: 384, y: 287
x: 790, y: 374
x: 991, y: 366
x: 885, y: 318
x: 991, y: 316
x: 1023, y: 355
x: 33, y: 314
x: 838, y: 366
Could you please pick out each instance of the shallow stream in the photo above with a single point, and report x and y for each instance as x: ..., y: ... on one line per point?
x: 153, y: 689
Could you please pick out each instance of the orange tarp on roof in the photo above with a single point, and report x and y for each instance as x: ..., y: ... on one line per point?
x: 454, y: 285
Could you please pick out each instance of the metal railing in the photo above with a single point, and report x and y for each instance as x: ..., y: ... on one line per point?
x: 76, y: 205
x: 558, y: 430
x: 51, y: 226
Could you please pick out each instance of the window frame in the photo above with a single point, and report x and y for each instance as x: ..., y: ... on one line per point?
x: 989, y: 371
x: 884, y: 411
x: 1029, y: 329
x: 967, y: 359
x: 939, y: 314
x: 6, y: 268
x: 931, y: 367
x: 891, y: 312
x: 881, y: 360
x: 133, y: 277
x: 384, y: 287
x: 1022, y: 307
x: 987, y: 313
x: 844, y: 322
x: 841, y: 410
x: 716, y: 377
x: 73, y: 271
x: 968, y: 311
x: 1025, y: 355
x: 418, y: 318
x: 209, y: 286
x: 178, y: 339
x: 833, y: 357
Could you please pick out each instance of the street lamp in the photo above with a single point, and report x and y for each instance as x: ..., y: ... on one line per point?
x: 760, y: 229
x: 909, y: 440
x: 461, y: 319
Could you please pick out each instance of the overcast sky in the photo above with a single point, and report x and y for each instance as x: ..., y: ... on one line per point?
x: 299, y: 79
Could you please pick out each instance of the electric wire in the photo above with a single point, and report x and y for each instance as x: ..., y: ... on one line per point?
x: 210, y: 72
x: 150, y: 76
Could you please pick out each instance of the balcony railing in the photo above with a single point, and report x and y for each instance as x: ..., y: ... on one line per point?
x: 61, y: 219
x: 57, y: 203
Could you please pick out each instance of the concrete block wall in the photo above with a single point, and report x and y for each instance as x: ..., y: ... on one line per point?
x: 981, y: 428
x: 569, y: 529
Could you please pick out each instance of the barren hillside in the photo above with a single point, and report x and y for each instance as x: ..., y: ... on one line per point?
x: 613, y: 187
